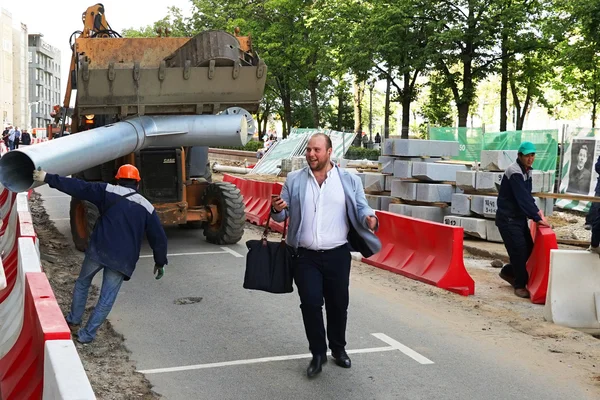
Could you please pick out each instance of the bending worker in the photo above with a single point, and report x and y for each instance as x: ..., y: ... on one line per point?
x: 515, y: 206
x: 115, y: 242
x: 328, y: 216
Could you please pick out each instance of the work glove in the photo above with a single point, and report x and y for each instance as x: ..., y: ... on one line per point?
x: 39, y: 175
x: 159, y: 271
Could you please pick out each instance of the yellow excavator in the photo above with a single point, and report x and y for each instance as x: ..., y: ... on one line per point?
x: 157, y: 93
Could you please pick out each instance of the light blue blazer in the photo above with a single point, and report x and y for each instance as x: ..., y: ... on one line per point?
x: 360, y: 238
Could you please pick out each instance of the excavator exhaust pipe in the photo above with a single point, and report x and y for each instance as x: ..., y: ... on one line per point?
x: 78, y: 152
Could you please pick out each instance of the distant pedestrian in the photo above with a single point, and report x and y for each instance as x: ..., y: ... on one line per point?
x: 377, y: 138
x: 115, y: 243
x: 515, y: 206
x: 365, y: 140
x: 5, y: 137
x: 11, y: 139
x: 328, y: 217
x: 25, y: 138
x: 17, y: 137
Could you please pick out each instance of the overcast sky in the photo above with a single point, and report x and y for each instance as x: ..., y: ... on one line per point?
x: 57, y: 20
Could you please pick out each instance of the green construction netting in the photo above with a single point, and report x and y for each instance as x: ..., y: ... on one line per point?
x: 472, y: 140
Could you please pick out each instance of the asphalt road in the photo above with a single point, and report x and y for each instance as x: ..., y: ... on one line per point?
x: 240, y: 344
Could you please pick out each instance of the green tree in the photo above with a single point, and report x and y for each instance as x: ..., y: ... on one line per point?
x: 465, y: 43
x: 580, y: 55
x: 437, y: 110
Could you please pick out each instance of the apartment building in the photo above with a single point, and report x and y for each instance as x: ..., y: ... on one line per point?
x: 14, y: 75
x: 44, y: 79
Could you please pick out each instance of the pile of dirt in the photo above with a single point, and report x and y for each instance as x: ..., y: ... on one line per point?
x: 569, y: 225
x: 106, y: 360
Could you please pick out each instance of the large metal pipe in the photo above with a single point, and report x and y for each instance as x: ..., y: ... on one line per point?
x: 78, y: 152
x: 232, y: 169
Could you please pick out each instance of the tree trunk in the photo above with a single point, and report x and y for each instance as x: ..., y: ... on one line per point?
x: 285, y: 95
x: 287, y: 115
x: 259, y: 118
x: 523, y: 113
x: 594, y: 104
x: 406, y: 98
x: 312, y: 87
x: 265, y: 120
x: 504, y: 84
x: 340, y: 108
x: 358, y: 96
x: 386, y: 119
x: 463, y: 114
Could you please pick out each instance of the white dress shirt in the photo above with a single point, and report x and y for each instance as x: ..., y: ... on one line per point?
x: 324, y: 218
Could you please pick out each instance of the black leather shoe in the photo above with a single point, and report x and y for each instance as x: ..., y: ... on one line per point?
x: 315, y: 365
x: 341, y: 358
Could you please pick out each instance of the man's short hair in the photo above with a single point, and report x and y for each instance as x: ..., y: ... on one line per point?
x: 328, y: 144
x: 584, y: 147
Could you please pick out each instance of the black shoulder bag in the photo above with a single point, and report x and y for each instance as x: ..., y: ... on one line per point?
x: 269, y: 264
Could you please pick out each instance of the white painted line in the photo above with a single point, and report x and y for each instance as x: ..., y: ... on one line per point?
x: 200, y: 253
x: 404, y: 349
x: 233, y: 253
x: 60, y: 219
x: 255, y: 361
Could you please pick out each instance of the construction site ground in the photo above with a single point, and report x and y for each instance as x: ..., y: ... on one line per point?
x: 493, y: 314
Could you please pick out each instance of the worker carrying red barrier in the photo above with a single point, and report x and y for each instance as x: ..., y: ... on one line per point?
x: 515, y: 206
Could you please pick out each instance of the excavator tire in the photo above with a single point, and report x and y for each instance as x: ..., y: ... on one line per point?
x: 229, y: 227
x: 83, y: 218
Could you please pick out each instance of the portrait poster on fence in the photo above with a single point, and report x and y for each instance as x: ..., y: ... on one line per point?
x: 579, y: 175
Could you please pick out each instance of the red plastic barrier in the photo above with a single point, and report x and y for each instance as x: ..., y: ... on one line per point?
x: 423, y: 250
x: 22, y: 368
x: 277, y: 226
x: 259, y: 204
x: 230, y: 178
x: 257, y: 199
x: 538, y: 265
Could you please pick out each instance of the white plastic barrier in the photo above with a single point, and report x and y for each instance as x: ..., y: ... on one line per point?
x: 573, y: 298
x: 64, y: 376
x: 2, y: 276
x: 11, y: 309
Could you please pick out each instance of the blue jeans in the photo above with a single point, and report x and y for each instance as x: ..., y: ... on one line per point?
x: 111, y: 283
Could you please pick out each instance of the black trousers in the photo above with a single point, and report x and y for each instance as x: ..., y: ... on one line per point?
x: 324, y: 275
x: 519, y: 244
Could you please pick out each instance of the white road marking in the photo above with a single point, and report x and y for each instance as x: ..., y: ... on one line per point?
x: 255, y: 361
x: 404, y: 349
x: 60, y: 219
x: 188, y: 254
x: 394, y: 345
x: 233, y: 253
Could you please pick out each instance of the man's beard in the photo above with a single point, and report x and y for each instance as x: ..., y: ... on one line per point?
x: 320, y: 165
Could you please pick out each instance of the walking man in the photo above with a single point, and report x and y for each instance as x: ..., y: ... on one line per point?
x: 115, y: 242
x: 515, y: 206
x: 11, y: 138
x: 328, y: 217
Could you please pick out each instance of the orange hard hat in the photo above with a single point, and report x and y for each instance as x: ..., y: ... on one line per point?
x: 128, y: 171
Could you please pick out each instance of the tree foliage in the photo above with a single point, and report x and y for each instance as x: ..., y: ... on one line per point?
x: 322, y: 55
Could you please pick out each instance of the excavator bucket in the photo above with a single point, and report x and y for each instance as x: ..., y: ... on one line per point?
x: 205, y: 74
